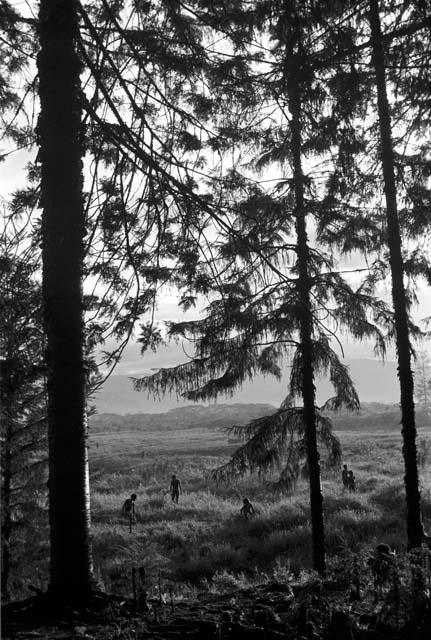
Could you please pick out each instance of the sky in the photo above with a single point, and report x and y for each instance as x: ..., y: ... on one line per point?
x: 12, y: 175
x: 375, y: 381
x: 168, y: 310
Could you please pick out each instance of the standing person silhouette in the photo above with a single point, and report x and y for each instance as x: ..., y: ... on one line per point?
x: 345, y: 477
x: 352, y: 482
x: 175, y: 489
x: 129, y: 511
x: 247, y: 510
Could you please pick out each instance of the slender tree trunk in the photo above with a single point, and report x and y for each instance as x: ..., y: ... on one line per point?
x: 405, y: 375
x: 306, y: 319
x: 5, y: 418
x: 60, y: 133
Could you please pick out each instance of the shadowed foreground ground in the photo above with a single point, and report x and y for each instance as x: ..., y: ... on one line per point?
x: 340, y: 608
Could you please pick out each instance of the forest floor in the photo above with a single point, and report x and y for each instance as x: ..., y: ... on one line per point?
x: 211, y: 574
x: 302, y: 610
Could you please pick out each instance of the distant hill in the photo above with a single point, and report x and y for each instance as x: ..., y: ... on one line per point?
x: 372, y: 416
x: 375, y: 382
x: 193, y: 416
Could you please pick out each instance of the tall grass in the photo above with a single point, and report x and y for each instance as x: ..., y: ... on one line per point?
x: 203, y: 541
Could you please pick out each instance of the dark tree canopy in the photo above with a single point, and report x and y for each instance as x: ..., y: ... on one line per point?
x: 241, y: 154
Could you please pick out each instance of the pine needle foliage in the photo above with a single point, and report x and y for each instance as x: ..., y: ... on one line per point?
x: 23, y: 422
x: 253, y: 322
x: 276, y: 443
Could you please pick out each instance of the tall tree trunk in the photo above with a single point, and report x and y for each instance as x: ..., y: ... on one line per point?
x: 60, y: 132
x: 411, y: 479
x: 293, y: 67
x: 6, y: 529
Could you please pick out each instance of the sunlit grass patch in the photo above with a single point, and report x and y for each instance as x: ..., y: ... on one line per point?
x: 204, y: 539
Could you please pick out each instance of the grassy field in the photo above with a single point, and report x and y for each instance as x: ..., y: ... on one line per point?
x: 202, y: 542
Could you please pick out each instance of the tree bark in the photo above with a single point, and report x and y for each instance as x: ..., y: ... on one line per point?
x: 60, y: 136
x: 305, y: 315
x: 5, y: 418
x: 414, y: 518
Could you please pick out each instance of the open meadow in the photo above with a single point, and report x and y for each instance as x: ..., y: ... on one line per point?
x: 203, y: 542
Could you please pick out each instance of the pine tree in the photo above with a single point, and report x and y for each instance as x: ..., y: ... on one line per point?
x: 398, y: 60
x: 265, y: 307
x: 61, y: 149
x: 294, y: 72
x: 414, y: 518
x: 131, y: 237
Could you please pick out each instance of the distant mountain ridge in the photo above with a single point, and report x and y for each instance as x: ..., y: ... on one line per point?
x: 372, y: 416
x: 212, y: 417
x: 375, y: 382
